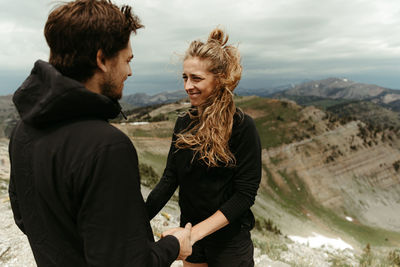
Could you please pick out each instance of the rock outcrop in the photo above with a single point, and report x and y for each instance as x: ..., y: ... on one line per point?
x: 349, y: 168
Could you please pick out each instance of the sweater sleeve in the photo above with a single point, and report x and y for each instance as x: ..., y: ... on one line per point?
x: 166, y: 187
x: 15, y: 204
x: 247, y: 171
x: 12, y: 192
x: 112, y: 219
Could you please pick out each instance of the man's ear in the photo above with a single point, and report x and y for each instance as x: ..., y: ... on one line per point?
x: 101, y: 61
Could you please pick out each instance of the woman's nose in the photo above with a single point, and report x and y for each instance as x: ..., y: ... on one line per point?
x: 188, y: 84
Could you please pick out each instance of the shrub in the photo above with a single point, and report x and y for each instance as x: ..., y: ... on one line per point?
x: 262, y: 225
x: 396, y: 165
x: 366, y: 257
x: 394, y: 257
x: 159, y: 117
x: 148, y: 175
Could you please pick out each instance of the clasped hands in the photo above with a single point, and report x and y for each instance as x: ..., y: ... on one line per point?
x: 184, y: 236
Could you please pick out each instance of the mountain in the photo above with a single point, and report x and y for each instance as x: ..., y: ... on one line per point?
x: 143, y: 99
x: 369, y: 103
x: 262, y: 92
x: 336, y: 88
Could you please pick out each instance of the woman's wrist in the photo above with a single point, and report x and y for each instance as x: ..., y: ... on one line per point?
x: 208, y: 226
x: 195, y: 234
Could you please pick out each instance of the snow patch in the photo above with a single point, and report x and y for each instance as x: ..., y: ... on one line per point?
x: 317, y: 240
x: 139, y: 123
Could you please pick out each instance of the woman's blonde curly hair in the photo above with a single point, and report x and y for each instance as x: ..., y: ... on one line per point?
x: 213, y: 121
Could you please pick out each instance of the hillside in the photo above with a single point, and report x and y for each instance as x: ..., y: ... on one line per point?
x: 313, y: 160
x: 325, y: 177
x: 321, y: 173
x: 314, y: 148
x: 370, y: 113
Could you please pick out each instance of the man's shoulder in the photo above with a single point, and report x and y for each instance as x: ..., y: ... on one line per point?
x: 89, y: 134
x: 97, y: 131
x: 83, y: 140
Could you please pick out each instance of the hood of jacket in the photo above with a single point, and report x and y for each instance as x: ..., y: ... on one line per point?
x: 47, y: 96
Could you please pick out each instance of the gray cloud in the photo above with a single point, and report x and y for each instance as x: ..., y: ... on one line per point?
x: 279, y: 40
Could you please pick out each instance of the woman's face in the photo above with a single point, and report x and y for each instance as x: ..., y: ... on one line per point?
x: 199, y: 83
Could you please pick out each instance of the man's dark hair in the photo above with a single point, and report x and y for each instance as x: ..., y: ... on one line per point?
x: 75, y: 31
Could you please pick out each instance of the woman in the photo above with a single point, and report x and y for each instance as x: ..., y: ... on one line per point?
x: 215, y: 159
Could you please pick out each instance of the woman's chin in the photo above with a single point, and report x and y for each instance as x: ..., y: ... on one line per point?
x: 194, y: 103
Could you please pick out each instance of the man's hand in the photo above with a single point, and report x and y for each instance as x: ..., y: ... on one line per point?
x: 183, y: 236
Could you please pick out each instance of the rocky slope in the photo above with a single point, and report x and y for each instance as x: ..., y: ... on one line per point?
x: 346, y: 169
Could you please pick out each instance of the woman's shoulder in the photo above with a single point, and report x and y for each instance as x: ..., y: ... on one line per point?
x: 244, y: 131
x: 182, y: 122
x: 242, y: 120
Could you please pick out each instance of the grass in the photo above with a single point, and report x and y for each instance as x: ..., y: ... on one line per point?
x: 320, y: 102
x: 156, y: 161
x: 362, y: 233
x: 4, y: 185
x: 271, y: 244
x: 158, y: 133
x: 294, y: 195
x: 278, y: 123
x: 275, y: 160
x: 372, y: 258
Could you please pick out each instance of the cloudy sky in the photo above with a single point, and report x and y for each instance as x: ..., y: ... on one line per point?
x: 281, y: 41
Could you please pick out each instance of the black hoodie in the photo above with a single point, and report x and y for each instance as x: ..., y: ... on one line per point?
x: 74, y: 186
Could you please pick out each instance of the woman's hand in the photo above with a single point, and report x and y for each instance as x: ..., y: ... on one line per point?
x: 171, y: 231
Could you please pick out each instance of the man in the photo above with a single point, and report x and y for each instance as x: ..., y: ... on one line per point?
x: 74, y: 186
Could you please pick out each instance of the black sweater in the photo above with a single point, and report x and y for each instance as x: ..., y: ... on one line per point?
x: 74, y: 186
x: 204, y: 190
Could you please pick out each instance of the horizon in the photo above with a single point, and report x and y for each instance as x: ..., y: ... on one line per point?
x: 244, y: 88
x: 280, y: 42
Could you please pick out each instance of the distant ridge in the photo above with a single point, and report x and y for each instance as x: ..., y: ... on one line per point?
x: 369, y: 103
x: 143, y: 99
x: 342, y: 88
x: 262, y: 92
